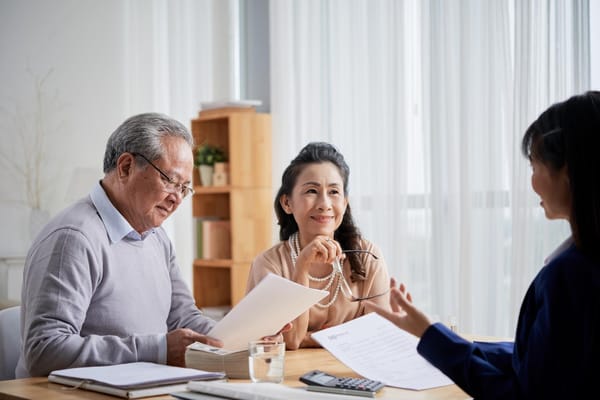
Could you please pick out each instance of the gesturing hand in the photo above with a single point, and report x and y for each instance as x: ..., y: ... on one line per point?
x: 179, y: 339
x: 403, y: 313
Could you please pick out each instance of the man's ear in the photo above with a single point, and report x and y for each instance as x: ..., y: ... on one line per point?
x: 125, y: 165
x: 284, y: 200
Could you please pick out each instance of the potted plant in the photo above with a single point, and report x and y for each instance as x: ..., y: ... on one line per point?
x: 205, y: 158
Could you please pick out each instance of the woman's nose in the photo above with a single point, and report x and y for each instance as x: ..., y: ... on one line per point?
x: 324, y: 202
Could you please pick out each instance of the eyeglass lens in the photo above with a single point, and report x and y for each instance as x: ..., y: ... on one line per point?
x: 169, y: 184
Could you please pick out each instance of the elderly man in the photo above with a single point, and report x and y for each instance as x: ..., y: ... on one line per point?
x: 101, y: 282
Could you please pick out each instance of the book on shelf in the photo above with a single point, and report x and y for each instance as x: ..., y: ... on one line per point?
x: 216, y: 239
x: 198, y: 234
x: 209, y: 358
x: 131, y: 380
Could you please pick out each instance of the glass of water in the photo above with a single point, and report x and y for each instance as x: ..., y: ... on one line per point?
x: 265, y: 361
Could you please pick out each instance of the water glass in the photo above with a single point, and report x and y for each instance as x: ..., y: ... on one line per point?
x: 265, y: 361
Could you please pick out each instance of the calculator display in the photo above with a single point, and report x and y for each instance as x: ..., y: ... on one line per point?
x: 322, y: 378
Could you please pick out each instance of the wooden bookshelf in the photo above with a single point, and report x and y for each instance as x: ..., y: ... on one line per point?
x: 246, y: 201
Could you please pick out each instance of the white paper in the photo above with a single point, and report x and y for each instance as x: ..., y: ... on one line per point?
x: 272, y: 303
x: 260, y: 391
x: 376, y: 349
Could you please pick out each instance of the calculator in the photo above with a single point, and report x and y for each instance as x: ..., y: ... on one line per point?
x: 319, y: 381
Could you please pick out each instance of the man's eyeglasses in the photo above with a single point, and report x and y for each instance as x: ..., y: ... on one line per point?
x: 348, y: 292
x: 170, y: 186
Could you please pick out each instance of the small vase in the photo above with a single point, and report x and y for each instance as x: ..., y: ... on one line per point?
x: 206, y: 174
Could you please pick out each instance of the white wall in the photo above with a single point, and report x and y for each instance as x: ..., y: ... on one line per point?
x: 100, y: 62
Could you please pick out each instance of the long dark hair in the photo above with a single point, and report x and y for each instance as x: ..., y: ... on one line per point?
x: 347, y: 234
x: 568, y: 134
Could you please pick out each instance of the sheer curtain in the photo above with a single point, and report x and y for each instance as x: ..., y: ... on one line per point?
x: 177, y: 53
x: 428, y: 100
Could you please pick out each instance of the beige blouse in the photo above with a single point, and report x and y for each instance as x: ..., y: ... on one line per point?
x: 278, y: 260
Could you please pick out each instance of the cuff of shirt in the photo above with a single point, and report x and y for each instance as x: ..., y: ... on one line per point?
x: 434, y: 341
x: 162, y: 350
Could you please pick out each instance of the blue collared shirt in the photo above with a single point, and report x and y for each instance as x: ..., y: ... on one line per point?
x: 116, y: 225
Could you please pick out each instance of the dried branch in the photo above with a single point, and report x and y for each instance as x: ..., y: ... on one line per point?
x: 26, y: 161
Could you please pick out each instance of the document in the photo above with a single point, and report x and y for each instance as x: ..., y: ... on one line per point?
x: 377, y: 349
x: 131, y: 380
x: 253, y: 391
x: 272, y: 303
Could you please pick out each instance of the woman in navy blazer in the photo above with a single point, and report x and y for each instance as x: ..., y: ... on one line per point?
x: 556, y: 352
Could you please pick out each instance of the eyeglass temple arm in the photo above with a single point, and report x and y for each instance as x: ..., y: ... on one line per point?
x: 361, y: 251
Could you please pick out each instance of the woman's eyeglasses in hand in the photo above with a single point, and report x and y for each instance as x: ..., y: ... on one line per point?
x: 352, y: 297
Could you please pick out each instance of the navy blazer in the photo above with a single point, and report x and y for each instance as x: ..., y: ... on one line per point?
x: 557, y: 344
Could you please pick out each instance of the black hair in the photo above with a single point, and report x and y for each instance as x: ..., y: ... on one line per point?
x: 568, y: 134
x: 347, y: 234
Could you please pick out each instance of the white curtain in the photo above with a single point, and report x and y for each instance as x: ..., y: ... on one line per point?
x: 428, y: 100
x: 178, y: 53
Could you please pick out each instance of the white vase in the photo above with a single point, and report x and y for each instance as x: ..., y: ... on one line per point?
x: 206, y: 174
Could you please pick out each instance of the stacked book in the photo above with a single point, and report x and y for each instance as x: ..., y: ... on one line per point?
x: 213, y: 238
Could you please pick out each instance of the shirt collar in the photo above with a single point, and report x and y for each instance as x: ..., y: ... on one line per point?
x: 116, y: 225
x: 561, y: 247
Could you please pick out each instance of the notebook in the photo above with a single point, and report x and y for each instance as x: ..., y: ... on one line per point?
x: 131, y: 380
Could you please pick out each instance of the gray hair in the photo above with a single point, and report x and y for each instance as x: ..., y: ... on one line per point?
x: 142, y: 134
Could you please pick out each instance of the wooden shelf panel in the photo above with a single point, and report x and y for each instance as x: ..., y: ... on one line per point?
x: 213, y: 263
x: 212, y: 286
x: 246, y: 202
x: 211, y: 205
x: 200, y: 190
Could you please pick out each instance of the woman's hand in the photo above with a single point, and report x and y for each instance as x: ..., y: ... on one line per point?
x: 322, y: 249
x: 403, y: 313
x: 278, y: 337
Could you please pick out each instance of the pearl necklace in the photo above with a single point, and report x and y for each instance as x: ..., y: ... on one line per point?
x: 336, y: 270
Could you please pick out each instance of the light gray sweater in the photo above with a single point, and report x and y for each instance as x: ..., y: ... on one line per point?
x: 90, y: 301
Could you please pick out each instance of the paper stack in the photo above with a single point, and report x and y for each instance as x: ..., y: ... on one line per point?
x: 243, y: 324
x: 214, y: 359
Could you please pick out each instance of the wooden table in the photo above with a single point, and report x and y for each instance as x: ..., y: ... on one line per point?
x: 296, y: 363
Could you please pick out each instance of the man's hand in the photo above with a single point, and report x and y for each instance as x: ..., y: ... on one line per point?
x: 179, y: 339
